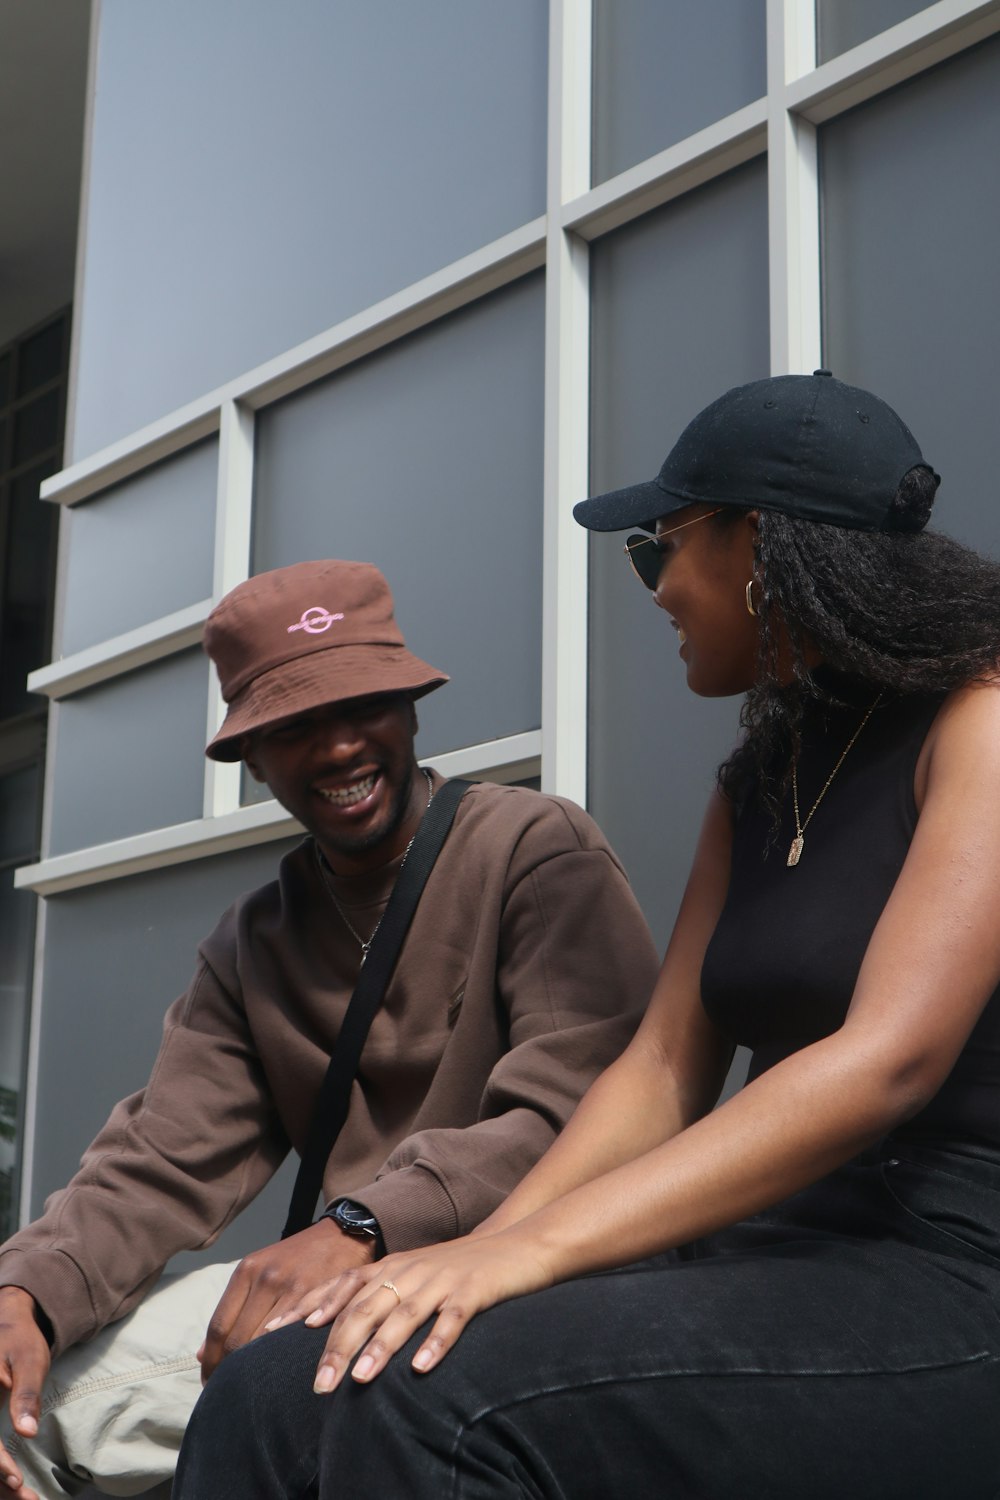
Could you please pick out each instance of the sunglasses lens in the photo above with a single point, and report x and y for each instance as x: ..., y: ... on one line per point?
x: 645, y: 557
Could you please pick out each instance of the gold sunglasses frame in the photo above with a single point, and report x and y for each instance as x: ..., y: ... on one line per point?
x: 630, y: 546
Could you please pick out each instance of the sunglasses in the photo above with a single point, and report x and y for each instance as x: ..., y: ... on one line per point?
x: 645, y: 553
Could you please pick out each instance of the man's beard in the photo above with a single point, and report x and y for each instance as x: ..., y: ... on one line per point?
x: 398, y: 808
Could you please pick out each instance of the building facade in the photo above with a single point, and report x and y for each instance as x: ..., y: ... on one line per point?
x: 402, y: 282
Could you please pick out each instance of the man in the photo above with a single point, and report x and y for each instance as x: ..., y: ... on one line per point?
x: 519, y: 980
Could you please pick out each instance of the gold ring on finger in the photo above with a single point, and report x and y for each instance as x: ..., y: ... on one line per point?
x: 391, y: 1287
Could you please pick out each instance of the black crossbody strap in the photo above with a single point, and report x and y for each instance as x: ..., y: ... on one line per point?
x: 373, y: 981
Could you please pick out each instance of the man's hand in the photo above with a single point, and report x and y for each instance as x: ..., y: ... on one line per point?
x: 268, y: 1284
x: 24, y: 1364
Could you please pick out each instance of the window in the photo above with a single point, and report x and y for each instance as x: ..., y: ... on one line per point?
x: 32, y: 395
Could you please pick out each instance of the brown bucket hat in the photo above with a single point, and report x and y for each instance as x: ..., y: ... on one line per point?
x: 299, y: 637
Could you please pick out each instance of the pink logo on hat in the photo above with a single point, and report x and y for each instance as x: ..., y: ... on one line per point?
x: 315, y: 620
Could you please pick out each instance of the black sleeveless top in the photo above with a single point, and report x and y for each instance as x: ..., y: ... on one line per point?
x: 783, y: 961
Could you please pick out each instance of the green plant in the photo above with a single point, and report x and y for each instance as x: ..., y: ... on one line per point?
x: 8, y: 1114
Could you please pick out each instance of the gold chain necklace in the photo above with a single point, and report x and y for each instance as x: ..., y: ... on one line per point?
x: 798, y: 842
x: 324, y: 872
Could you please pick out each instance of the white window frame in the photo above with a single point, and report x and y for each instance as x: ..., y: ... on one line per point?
x: 781, y: 125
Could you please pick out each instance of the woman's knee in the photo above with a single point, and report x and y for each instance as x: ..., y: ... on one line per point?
x: 256, y: 1419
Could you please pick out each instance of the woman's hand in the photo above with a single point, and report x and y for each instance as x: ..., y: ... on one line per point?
x: 380, y: 1306
x: 269, y: 1282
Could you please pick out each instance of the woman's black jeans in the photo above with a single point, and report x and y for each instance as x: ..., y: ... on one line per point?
x: 843, y: 1347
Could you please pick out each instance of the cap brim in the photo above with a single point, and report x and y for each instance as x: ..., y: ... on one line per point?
x: 638, y: 505
x: 319, y: 678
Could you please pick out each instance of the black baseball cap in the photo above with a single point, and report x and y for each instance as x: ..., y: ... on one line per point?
x: 807, y: 445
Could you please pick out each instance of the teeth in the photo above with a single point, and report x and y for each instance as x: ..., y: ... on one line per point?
x: 347, y: 796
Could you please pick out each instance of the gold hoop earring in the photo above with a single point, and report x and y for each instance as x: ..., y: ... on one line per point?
x: 749, y: 599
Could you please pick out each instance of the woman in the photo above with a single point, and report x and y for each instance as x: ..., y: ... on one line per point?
x: 805, y: 1282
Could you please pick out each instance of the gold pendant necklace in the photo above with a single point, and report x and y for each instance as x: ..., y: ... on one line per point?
x: 325, y: 875
x: 798, y: 842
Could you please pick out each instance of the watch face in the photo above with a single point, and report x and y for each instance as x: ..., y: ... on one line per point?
x: 354, y: 1218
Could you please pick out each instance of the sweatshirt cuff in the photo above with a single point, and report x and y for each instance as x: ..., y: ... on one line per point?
x: 58, y: 1287
x: 412, y: 1208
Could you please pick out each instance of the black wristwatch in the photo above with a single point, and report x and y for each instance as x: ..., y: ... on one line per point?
x: 354, y: 1219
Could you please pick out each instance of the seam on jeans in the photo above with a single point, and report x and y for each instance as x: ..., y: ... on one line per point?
x: 928, y: 1226
x: 694, y: 1374
x: 742, y: 1372
x: 300, y: 1484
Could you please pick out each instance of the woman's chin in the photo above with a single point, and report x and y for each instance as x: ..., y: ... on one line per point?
x: 713, y: 685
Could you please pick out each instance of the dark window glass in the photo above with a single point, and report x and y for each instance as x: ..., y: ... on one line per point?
x: 36, y: 427
x: 40, y: 358
x: 19, y: 801
x: 17, y: 922
x: 24, y: 644
x: 19, y: 797
x: 30, y: 442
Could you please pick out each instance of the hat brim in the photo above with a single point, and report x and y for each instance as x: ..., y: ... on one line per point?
x: 638, y: 505
x: 316, y: 679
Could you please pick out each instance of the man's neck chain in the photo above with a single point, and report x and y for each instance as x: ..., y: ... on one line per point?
x: 325, y: 873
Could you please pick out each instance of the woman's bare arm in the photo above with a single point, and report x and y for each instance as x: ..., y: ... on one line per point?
x: 673, y: 1070
x: 931, y: 965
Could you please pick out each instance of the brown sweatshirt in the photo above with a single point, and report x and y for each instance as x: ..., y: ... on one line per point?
x: 522, y: 976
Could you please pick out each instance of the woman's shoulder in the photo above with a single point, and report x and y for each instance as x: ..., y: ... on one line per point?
x: 963, y: 740
x: 970, y: 709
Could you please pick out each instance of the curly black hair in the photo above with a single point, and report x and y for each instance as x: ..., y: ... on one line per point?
x: 908, y: 611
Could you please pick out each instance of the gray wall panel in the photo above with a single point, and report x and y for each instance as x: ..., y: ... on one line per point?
x: 662, y: 72
x: 261, y: 171
x: 911, y: 225
x: 427, y: 460
x: 141, y: 550
x: 842, y: 24
x: 116, y: 956
x: 128, y: 754
x: 680, y: 314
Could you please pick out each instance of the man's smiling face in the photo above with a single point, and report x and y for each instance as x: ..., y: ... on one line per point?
x: 347, y: 771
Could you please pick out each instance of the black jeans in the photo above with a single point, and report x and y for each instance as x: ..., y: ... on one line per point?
x: 845, y: 1345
